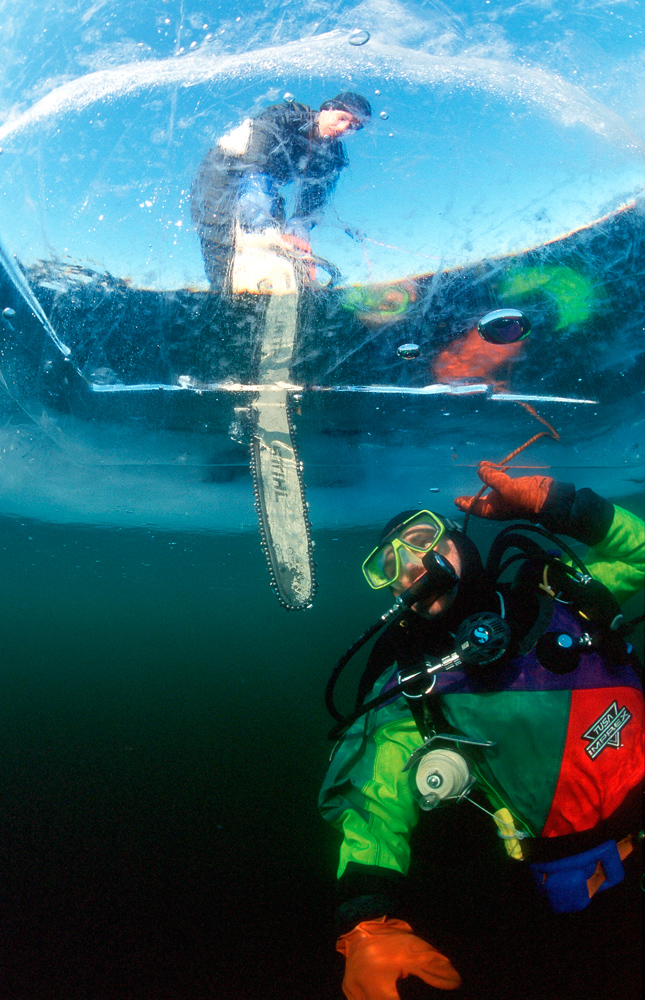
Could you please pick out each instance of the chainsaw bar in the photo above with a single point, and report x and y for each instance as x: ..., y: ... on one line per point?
x: 275, y: 465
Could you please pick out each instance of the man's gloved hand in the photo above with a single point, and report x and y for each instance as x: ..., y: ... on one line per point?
x: 511, y: 498
x: 301, y: 248
x: 293, y: 242
x: 379, y: 952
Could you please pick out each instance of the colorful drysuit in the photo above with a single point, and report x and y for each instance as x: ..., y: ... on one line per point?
x: 568, y: 753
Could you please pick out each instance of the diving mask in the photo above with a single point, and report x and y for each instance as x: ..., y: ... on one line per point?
x: 419, y: 534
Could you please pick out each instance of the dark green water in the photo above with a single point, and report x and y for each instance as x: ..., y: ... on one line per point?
x: 162, y: 741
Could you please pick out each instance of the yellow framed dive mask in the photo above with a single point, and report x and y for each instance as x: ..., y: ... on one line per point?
x: 422, y: 531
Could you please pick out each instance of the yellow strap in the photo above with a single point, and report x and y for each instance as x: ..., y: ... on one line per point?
x: 506, y: 826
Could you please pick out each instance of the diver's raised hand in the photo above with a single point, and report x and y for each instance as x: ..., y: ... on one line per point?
x: 510, y: 498
x: 380, y: 952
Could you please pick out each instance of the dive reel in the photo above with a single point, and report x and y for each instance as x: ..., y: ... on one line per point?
x: 443, y: 774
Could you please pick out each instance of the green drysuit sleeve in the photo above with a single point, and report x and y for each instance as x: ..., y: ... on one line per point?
x: 366, y: 794
x: 618, y: 560
x: 378, y: 831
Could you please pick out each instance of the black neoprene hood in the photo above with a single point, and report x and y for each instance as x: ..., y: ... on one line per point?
x: 347, y: 100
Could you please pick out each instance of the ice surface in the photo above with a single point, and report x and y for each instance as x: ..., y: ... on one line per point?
x: 500, y: 169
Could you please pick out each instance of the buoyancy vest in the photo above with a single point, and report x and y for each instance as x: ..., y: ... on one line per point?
x: 568, y: 746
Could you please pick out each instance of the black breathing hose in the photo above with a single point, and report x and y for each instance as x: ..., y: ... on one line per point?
x: 439, y: 577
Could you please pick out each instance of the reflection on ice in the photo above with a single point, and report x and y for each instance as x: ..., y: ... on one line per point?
x: 349, y: 345
x: 485, y: 157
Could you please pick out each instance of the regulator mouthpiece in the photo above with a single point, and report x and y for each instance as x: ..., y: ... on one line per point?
x: 438, y: 579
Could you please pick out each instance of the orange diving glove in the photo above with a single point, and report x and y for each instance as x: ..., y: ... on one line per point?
x: 511, y: 498
x: 378, y: 952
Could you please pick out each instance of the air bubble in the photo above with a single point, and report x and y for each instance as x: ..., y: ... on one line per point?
x: 359, y: 37
x: 408, y: 351
x: 289, y: 98
x: 504, y: 326
x: 8, y: 312
x: 378, y: 93
x: 384, y: 115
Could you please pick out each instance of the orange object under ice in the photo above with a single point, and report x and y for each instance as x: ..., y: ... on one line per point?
x: 380, y: 952
x: 471, y: 357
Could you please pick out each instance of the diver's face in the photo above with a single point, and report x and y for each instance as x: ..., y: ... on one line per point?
x: 411, y: 568
x: 334, y: 123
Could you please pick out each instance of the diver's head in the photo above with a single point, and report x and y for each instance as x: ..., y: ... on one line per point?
x: 397, y: 560
x: 347, y: 112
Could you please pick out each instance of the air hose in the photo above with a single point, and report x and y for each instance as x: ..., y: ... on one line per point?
x: 439, y: 578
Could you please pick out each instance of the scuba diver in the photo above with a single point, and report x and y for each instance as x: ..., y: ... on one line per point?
x: 521, y: 699
x: 239, y: 179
